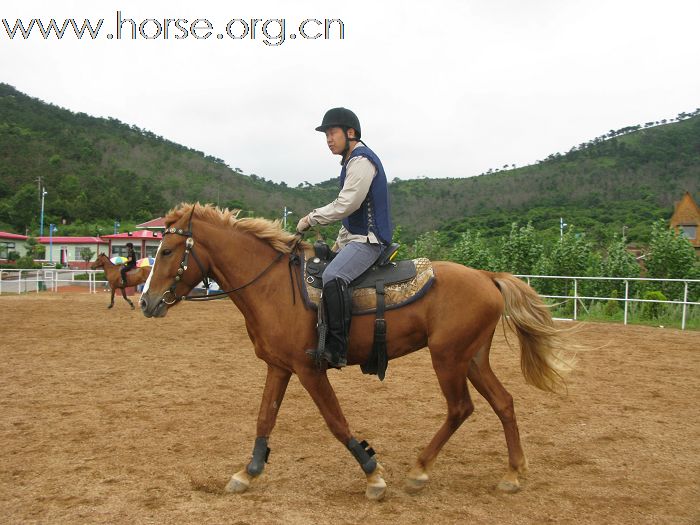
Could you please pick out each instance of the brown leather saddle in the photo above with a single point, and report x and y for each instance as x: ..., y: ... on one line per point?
x: 384, y: 286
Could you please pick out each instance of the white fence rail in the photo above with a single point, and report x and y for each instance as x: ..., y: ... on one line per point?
x: 626, y: 299
x: 27, y: 281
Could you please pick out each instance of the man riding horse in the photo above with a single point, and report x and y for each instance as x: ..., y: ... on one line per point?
x: 363, y: 207
x: 130, y: 261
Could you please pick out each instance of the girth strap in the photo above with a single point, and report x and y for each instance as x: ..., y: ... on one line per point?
x: 378, y: 360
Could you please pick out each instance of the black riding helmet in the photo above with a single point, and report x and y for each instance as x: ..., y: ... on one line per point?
x: 345, y: 119
x: 340, y: 118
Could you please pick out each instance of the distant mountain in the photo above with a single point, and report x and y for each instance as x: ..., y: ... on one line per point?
x: 97, y: 169
x: 100, y: 168
x: 628, y: 178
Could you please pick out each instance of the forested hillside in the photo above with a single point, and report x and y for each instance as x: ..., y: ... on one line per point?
x: 629, y: 178
x: 98, y: 169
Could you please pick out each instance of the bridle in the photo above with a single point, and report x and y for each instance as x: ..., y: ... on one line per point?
x: 189, y: 249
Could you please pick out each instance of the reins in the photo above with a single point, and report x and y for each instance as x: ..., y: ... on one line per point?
x: 189, y: 248
x: 221, y: 295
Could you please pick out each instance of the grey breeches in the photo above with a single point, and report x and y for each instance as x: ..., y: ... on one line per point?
x: 352, y: 261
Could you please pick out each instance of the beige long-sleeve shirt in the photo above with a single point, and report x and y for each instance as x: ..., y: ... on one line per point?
x: 359, y: 174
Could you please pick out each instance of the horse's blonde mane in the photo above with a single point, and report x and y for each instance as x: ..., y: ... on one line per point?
x: 263, y: 229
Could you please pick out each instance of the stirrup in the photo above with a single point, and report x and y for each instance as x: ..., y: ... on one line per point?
x: 323, y: 359
x: 341, y: 361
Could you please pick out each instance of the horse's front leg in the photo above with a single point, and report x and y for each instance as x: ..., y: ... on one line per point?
x: 317, y: 384
x: 111, y: 301
x: 275, y: 387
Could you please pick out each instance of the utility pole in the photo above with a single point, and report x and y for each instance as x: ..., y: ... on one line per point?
x: 52, y: 230
x: 41, y: 228
x: 562, y: 225
x: 284, y: 220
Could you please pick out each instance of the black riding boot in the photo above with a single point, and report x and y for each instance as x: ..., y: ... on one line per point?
x: 338, y: 307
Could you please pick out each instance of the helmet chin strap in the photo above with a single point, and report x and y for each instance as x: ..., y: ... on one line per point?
x: 345, y: 151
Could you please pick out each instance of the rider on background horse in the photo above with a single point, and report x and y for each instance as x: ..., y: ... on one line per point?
x: 130, y: 261
x: 363, y: 207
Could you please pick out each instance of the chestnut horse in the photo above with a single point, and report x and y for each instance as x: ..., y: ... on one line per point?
x: 456, y: 319
x: 114, y: 276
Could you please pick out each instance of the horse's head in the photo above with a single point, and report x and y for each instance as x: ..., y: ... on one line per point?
x: 99, y: 262
x: 178, y: 267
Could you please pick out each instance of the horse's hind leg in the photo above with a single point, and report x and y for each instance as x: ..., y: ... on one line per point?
x: 488, y: 385
x: 451, y: 370
x: 126, y: 298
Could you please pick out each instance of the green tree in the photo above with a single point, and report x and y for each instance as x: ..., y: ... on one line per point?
x: 571, y: 255
x: 618, y: 262
x: 430, y: 245
x: 22, y: 208
x: 520, y: 250
x: 34, y: 249
x: 671, y: 256
x: 404, y: 251
x: 471, y: 250
x: 86, y: 254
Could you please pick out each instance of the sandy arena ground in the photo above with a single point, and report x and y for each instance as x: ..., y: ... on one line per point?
x: 108, y: 417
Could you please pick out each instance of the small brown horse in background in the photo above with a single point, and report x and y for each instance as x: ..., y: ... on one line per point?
x: 456, y: 320
x: 114, y: 276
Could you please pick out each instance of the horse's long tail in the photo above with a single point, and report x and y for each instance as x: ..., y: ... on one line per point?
x: 541, y: 360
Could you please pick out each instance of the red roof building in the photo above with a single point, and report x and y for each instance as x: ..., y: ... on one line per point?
x: 145, y: 242
x: 13, y: 236
x: 155, y: 224
x: 67, y: 250
x: 12, y: 242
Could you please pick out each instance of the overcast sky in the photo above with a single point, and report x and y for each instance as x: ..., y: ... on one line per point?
x: 442, y: 88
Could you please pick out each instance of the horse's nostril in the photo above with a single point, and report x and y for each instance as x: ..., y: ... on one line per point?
x: 143, y: 304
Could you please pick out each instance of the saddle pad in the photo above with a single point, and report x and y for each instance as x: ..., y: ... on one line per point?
x: 397, y: 294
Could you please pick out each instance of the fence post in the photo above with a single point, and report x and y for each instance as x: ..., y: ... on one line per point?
x: 627, y: 294
x: 575, y: 299
x: 685, y: 304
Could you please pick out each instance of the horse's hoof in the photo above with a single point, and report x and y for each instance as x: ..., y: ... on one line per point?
x: 376, y: 491
x: 417, y: 483
x: 509, y: 487
x: 132, y: 307
x: 110, y: 306
x: 376, y: 486
x: 239, y: 483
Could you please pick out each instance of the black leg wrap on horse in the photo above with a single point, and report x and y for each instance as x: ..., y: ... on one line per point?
x: 363, y: 454
x: 260, y: 454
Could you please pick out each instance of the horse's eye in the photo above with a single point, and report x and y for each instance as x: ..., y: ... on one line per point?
x: 167, y: 252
